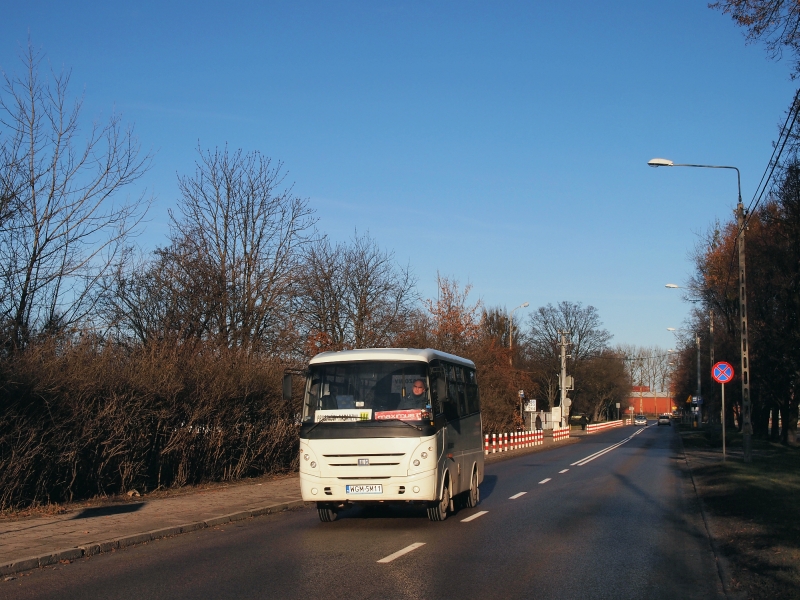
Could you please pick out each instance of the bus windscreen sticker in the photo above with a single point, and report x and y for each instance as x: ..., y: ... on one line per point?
x: 363, y: 414
x: 413, y: 414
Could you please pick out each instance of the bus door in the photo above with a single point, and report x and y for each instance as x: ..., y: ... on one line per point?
x: 450, y: 401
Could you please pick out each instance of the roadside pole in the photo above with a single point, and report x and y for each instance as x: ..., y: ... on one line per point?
x: 722, y: 373
x: 562, y: 378
x: 723, y: 422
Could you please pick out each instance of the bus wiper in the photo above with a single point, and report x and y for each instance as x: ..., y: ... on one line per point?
x: 404, y: 423
x: 325, y: 418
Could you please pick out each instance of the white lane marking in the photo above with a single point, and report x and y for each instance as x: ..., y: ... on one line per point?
x: 600, y: 453
x: 400, y: 553
x: 544, y: 481
x: 515, y: 496
x: 475, y: 516
x: 564, y: 471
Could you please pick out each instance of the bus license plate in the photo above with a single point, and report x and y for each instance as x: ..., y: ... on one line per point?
x: 364, y: 489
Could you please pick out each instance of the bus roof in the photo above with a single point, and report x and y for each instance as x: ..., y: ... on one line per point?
x: 388, y: 354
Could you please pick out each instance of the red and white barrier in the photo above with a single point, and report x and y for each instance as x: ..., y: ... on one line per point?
x: 595, y: 427
x: 515, y: 440
x: 560, y: 433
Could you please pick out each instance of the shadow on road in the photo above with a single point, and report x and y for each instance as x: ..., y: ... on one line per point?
x: 487, y: 486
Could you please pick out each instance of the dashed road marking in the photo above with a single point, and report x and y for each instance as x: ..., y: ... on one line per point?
x: 515, y: 496
x: 544, y: 481
x: 475, y: 516
x: 400, y: 553
x: 564, y: 471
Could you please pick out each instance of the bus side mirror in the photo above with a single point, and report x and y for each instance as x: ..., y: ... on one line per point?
x: 287, y: 387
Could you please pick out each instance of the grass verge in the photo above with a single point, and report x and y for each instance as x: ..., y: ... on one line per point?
x: 753, y: 510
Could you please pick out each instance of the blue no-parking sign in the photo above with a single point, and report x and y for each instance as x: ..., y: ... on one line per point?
x: 722, y: 372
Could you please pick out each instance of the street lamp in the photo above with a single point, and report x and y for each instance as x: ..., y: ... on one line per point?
x: 511, y: 325
x: 747, y: 425
x: 672, y: 286
x: 699, y: 389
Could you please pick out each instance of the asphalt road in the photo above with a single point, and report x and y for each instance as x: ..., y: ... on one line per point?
x: 557, y: 524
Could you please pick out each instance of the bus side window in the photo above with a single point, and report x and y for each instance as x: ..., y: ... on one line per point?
x: 462, y: 397
x: 473, y: 403
x: 450, y: 408
x: 437, y: 374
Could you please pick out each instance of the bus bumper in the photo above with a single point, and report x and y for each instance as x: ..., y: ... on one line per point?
x: 419, y: 487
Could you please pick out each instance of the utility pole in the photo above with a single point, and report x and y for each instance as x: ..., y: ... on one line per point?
x: 747, y: 425
x: 711, y: 335
x: 563, y: 377
x: 699, y: 409
x: 711, y: 339
x: 511, y: 333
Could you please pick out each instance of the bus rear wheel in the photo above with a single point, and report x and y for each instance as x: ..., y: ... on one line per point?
x: 438, y: 512
x: 473, y: 495
x: 326, y: 512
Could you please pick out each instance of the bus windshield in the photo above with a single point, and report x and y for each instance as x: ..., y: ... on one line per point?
x: 367, y: 391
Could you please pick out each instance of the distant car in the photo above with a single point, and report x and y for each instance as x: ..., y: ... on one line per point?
x: 664, y: 420
x: 640, y: 420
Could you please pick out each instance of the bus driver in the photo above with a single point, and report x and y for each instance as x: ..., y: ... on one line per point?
x: 417, y: 399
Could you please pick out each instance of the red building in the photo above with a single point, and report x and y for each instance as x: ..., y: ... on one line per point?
x: 646, y: 402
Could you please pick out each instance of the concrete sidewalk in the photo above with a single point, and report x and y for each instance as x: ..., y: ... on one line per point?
x: 40, y: 540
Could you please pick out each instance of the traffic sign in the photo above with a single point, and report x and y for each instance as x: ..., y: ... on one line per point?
x: 722, y: 372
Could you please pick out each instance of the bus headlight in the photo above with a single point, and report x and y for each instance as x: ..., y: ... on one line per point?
x: 309, y: 463
x: 422, y: 459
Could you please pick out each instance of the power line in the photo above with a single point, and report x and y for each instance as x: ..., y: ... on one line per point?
x: 763, y: 184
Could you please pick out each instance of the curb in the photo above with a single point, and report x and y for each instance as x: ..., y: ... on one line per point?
x: 724, y: 568
x: 93, y: 548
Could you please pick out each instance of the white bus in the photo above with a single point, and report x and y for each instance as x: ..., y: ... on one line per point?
x: 391, y: 425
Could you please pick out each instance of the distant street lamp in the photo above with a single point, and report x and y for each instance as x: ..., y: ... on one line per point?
x: 747, y: 425
x: 511, y: 325
x: 699, y: 390
x: 672, y: 286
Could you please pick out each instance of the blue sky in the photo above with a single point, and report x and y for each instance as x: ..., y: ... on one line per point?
x: 503, y: 144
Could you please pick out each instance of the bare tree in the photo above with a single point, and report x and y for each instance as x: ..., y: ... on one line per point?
x: 541, y: 343
x: 64, y: 229
x: 236, y: 245
x: 586, y: 333
x: 602, y: 381
x: 647, y: 366
x: 157, y: 299
x: 353, y: 295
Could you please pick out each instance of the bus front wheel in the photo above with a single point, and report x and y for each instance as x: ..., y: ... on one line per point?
x: 438, y: 511
x: 326, y: 512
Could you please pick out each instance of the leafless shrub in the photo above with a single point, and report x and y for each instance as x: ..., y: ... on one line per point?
x: 83, y: 419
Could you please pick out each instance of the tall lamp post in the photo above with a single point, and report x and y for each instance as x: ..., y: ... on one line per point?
x: 511, y: 329
x: 747, y: 424
x: 673, y: 286
x: 699, y: 388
